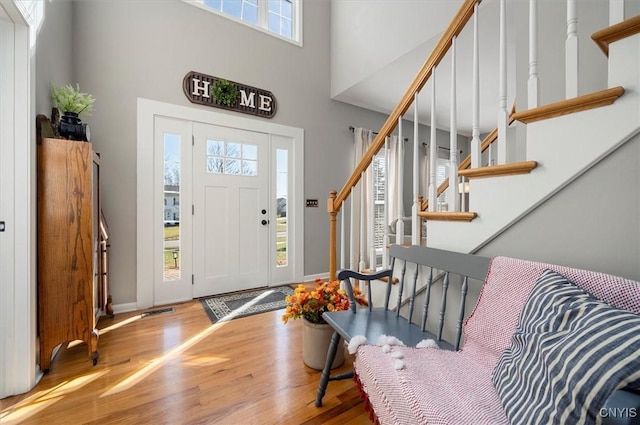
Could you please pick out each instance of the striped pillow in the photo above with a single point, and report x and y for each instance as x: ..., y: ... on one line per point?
x: 569, y: 353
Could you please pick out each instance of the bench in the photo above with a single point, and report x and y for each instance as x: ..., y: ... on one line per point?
x: 543, y: 344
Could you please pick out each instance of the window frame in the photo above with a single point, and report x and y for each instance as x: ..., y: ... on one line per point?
x: 263, y: 19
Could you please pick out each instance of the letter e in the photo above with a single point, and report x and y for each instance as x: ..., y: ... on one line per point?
x: 265, y: 103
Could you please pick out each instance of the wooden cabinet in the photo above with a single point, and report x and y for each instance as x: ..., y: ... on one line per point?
x: 71, y: 283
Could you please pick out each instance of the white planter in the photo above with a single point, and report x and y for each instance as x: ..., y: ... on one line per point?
x: 315, y: 343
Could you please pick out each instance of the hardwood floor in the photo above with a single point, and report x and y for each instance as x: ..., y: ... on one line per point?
x: 178, y: 368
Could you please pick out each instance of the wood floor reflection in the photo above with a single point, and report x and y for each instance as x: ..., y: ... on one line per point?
x: 177, y: 368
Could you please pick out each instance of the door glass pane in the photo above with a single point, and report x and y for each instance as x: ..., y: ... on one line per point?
x: 232, y: 150
x: 215, y: 147
x: 232, y: 166
x: 214, y: 165
x: 250, y: 151
x: 171, y: 213
x: 282, y: 192
x: 249, y: 168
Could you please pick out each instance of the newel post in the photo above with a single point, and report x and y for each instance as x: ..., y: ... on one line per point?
x: 332, y: 234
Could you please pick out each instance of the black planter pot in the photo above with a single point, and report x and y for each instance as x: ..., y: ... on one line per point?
x: 71, y: 127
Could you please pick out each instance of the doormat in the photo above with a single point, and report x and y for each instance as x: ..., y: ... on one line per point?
x: 223, y: 308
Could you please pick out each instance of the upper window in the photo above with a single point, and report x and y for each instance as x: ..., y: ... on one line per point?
x: 282, y: 18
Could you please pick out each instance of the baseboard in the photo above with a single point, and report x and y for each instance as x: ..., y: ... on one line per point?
x: 124, y: 308
x: 312, y: 277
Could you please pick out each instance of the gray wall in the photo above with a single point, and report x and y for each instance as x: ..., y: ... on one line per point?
x: 126, y: 50
x: 593, y: 223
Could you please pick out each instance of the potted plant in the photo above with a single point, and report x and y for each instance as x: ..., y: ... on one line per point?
x: 316, y: 333
x: 72, y: 103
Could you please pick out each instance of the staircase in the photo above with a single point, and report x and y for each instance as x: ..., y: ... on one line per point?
x: 563, y: 140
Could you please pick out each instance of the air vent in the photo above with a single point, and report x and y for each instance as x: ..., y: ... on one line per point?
x: 156, y: 312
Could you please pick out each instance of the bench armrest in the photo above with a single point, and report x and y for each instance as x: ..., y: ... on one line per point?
x: 347, y: 275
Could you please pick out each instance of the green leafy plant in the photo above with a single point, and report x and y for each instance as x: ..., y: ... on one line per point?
x: 225, y: 93
x: 69, y: 99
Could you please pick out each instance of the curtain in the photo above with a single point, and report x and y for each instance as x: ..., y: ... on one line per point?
x: 361, y: 205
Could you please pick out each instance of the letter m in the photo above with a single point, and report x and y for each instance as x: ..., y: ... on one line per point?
x: 247, y: 100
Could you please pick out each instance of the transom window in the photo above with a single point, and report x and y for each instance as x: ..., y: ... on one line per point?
x: 280, y: 17
x: 234, y: 158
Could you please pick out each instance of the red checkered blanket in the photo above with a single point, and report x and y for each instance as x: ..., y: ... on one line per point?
x: 455, y: 388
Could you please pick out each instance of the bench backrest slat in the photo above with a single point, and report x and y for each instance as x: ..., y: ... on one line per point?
x: 401, y: 290
x: 463, y: 300
x: 387, y: 294
x: 414, y: 289
x: 425, y: 307
x: 443, y: 304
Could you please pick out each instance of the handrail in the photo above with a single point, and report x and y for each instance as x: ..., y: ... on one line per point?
x: 463, y: 15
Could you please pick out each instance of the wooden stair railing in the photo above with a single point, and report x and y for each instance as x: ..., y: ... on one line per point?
x: 334, y: 203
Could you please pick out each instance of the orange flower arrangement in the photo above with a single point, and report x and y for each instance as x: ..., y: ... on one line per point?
x: 311, y: 304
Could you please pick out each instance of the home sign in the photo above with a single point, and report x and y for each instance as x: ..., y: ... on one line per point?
x: 220, y: 93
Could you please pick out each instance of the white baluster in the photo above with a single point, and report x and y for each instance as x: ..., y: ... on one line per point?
x: 400, y: 200
x: 475, y: 129
x: 415, y: 222
x: 533, y: 90
x: 502, y: 102
x: 453, y: 197
x: 571, y: 51
x: 385, y: 221
x: 352, y: 233
x: 616, y: 11
x: 433, y: 148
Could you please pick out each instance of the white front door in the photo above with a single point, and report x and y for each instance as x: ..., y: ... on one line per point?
x: 232, y: 209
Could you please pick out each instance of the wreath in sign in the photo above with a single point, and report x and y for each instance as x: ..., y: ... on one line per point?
x: 225, y: 93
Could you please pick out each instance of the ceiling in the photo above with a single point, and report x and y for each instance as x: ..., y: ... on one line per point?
x: 378, y: 46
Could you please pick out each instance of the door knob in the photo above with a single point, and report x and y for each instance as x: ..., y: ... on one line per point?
x: 265, y: 222
x: 264, y: 212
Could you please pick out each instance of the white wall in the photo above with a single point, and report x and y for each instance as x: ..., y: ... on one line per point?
x: 367, y: 36
x: 126, y: 50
